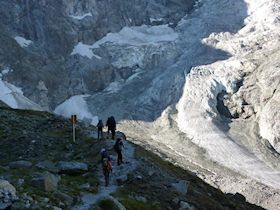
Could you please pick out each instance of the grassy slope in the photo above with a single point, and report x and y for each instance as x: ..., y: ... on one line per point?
x: 37, y: 136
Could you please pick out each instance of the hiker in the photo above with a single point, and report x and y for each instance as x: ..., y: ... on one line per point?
x: 100, y: 129
x: 118, y: 148
x: 111, y: 124
x: 106, y: 165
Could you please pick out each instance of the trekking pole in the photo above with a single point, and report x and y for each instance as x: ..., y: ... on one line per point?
x: 74, y: 133
x: 73, y: 120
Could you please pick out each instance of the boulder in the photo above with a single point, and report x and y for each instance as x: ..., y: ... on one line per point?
x: 21, y: 164
x: 6, y: 187
x: 45, y: 181
x: 85, y: 186
x: 121, y: 179
x: 237, y: 196
x: 141, y: 199
x: 66, y: 199
x: 151, y: 173
x: 181, y: 186
x: 47, y: 165
x: 4, y: 206
x: 7, y: 194
x: 72, y: 168
x: 20, y: 205
x: 185, y: 206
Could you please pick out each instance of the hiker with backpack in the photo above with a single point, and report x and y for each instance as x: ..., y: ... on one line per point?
x: 106, y: 165
x: 111, y: 124
x: 118, y: 149
x: 100, y: 129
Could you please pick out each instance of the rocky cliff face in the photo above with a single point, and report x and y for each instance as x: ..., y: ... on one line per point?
x: 45, y: 68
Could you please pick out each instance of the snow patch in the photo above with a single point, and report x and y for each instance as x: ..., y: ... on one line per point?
x: 7, y: 90
x: 81, y: 17
x: 13, y: 96
x: 84, y: 50
x: 78, y: 106
x: 22, y: 41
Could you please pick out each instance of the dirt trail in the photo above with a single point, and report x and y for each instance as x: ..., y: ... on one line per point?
x: 130, y: 164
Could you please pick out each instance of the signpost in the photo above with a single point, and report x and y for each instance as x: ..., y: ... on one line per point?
x: 73, y: 120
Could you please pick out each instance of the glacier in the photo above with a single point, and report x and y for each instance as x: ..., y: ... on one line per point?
x: 203, y: 93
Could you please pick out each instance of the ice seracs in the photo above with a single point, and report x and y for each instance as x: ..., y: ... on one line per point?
x: 140, y: 35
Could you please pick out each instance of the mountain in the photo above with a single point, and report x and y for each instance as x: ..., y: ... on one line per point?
x: 196, y: 82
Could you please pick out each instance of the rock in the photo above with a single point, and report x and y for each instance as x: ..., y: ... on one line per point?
x: 56, y: 208
x: 151, y: 173
x: 4, y: 206
x: 20, y: 205
x: 139, y: 177
x: 7, y: 188
x: 141, y: 198
x: 238, y: 197
x: 176, y: 200
x: 72, y: 168
x: 47, y: 165
x: 185, y: 206
x: 21, y: 164
x: 46, y: 181
x: 85, y: 186
x: 248, y: 111
x: 62, y: 197
x: 120, y: 135
x: 61, y: 205
x: 121, y: 179
x: 181, y: 186
x: 20, y: 182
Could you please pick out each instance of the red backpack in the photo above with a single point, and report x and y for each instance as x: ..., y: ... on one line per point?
x: 107, y: 164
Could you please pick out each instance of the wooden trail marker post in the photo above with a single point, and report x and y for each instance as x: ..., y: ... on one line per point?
x: 73, y: 120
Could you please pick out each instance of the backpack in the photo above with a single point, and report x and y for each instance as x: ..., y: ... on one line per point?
x: 106, y: 163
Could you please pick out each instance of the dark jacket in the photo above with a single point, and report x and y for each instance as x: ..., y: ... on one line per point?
x: 100, y: 124
x: 111, y: 123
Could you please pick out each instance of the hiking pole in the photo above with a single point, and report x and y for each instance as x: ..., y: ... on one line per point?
x: 74, y: 121
x: 73, y: 132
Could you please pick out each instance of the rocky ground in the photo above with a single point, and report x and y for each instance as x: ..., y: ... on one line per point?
x: 41, y: 168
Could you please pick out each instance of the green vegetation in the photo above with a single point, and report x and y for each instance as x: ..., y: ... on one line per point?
x: 107, y: 204
x: 131, y: 204
x: 72, y: 184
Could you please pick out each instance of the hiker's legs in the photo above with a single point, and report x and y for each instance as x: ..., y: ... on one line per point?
x: 119, y: 157
x: 121, y: 160
x: 106, y: 175
x: 113, y: 133
x: 100, y: 133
